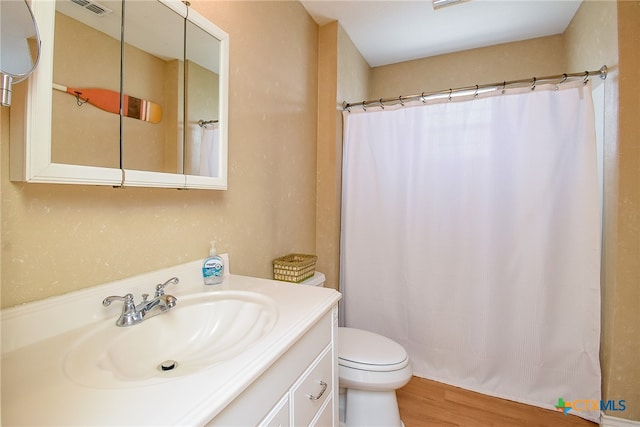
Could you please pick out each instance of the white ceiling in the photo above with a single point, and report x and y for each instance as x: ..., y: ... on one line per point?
x: 390, y: 31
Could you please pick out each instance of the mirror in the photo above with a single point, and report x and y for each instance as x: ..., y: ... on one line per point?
x: 125, y: 86
x: 86, y: 56
x: 153, y: 84
x: 202, y: 136
x: 206, y: 136
x: 19, y: 46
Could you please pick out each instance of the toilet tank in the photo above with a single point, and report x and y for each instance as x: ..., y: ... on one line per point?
x: 316, y: 280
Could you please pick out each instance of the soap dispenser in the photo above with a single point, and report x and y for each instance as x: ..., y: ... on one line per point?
x: 213, y: 268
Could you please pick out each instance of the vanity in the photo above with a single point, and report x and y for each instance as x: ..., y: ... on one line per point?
x: 249, y: 351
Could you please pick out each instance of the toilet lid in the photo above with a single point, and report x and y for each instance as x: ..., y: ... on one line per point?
x: 368, y: 351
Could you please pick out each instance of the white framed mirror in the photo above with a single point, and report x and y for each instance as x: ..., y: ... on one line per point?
x: 106, y: 112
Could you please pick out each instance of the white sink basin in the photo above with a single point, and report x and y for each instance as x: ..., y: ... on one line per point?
x: 201, y: 330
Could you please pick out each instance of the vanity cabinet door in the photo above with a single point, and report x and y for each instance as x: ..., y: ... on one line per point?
x: 282, y: 391
x: 279, y: 416
x: 325, y: 418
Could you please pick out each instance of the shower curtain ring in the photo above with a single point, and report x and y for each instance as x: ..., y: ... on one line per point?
x: 475, y: 95
x: 533, y: 84
x: 586, y: 78
x: 424, y: 100
x: 381, y: 104
x: 401, y: 101
x: 450, y: 92
x: 564, y: 79
x: 364, y: 105
x: 504, y: 85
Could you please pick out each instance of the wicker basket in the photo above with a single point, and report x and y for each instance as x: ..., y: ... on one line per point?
x: 294, y: 267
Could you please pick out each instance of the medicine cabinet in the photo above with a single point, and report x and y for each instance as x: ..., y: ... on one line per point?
x: 128, y: 93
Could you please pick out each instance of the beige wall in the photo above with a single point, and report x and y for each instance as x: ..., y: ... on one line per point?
x: 511, y: 61
x: 354, y: 74
x: 58, y: 238
x: 622, y: 375
x: 343, y: 74
x: 621, y: 336
x: 328, y: 151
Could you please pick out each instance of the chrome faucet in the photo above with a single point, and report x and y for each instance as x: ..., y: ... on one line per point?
x: 133, y: 314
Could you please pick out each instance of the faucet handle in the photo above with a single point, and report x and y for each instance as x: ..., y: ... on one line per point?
x: 130, y: 316
x: 161, y: 286
x: 127, y: 299
x: 170, y: 301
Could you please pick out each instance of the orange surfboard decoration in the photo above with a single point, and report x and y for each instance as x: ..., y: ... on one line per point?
x: 109, y: 100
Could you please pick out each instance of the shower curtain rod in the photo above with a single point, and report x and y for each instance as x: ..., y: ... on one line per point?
x: 449, y: 93
x: 203, y: 123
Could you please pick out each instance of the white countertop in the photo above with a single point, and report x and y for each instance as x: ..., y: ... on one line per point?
x: 37, y: 336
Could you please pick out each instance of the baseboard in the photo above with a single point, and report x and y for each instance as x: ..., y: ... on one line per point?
x: 609, y: 421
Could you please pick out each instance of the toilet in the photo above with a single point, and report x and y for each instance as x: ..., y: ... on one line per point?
x: 371, y: 368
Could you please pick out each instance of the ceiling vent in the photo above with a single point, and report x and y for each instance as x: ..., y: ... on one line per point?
x: 93, y: 7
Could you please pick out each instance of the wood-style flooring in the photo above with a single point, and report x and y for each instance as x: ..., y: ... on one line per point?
x: 425, y: 403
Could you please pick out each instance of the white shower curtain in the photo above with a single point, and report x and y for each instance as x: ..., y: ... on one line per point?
x: 209, y: 151
x: 471, y: 235
x: 203, y: 144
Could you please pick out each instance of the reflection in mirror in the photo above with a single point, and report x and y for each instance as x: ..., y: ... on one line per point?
x: 202, y: 133
x: 85, y: 126
x: 19, y: 46
x: 153, y: 73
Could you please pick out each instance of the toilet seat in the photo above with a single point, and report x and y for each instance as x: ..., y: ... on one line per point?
x: 367, y: 351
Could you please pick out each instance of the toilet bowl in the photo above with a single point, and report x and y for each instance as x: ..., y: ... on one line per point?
x: 370, y: 369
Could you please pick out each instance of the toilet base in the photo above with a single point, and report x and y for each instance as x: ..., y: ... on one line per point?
x: 371, y: 408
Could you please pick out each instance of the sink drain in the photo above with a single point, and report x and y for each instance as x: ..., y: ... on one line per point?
x: 168, y: 365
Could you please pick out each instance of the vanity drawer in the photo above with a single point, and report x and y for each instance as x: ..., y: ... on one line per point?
x: 313, y: 389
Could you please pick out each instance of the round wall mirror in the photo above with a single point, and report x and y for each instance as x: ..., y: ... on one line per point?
x: 19, y: 45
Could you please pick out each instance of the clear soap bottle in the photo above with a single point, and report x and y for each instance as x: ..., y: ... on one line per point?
x: 213, y: 267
